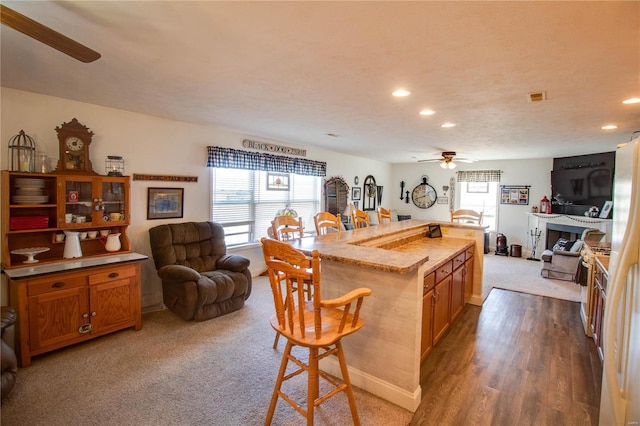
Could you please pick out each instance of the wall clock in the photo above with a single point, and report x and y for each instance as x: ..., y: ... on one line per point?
x: 424, y: 195
x: 73, y: 142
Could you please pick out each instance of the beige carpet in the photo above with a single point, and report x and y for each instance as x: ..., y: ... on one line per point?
x: 172, y: 372
x: 522, y: 275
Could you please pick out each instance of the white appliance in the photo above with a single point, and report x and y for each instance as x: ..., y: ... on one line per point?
x: 620, y: 401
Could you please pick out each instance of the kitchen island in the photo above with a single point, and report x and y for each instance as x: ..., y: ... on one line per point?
x: 401, y: 267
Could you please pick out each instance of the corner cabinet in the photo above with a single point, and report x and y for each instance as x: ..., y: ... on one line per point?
x: 62, y: 301
x: 336, y: 195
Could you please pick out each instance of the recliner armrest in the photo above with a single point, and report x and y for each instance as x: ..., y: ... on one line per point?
x: 178, y: 273
x: 566, y: 253
x: 233, y: 262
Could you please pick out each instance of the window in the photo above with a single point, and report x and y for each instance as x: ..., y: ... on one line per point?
x: 242, y: 202
x: 485, y: 200
x: 478, y: 191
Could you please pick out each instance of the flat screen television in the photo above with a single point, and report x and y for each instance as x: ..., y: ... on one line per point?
x: 584, y: 187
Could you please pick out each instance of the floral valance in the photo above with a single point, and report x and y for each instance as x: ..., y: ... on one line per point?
x: 479, y: 176
x: 237, y: 159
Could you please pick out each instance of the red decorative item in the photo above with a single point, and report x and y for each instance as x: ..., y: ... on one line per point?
x: 28, y: 222
x: 545, y: 205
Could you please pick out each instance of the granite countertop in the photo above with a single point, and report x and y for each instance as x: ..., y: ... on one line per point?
x: 345, y: 247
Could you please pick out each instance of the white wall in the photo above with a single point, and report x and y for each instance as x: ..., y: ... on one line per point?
x: 152, y: 145
x: 512, y: 220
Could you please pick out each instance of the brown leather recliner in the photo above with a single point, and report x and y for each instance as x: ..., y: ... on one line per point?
x: 200, y: 280
x: 9, y: 361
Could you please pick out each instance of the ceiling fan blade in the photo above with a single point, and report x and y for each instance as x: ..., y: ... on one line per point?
x: 435, y: 160
x: 464, y: 160
x: 46, y: 35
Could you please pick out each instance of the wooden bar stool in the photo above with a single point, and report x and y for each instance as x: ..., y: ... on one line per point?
x: 327, y: 222
x: 384, y: 215
x: 360, y: 219
x: 318, y: 325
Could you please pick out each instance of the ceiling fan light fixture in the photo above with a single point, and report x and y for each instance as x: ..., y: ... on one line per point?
x: 448, y: 164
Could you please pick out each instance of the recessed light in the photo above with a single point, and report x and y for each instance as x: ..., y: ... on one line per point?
x: 427, y: 112
x: 401, y: 93
x: 448, y: 125
x: 631, y: 101
x: 609, y: 127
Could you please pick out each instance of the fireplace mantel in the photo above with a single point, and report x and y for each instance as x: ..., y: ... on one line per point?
x: 539, y: 222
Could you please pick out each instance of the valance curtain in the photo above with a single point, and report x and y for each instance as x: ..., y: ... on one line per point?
x: 479, y: 176
x: 237, y: 159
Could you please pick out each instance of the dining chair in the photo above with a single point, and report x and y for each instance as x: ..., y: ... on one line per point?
x: 327, y: 222
x: 360, y: 219
x: 287, y: 228
x: 318, y: 326
x: 383, y: 215
x: 466, y: 216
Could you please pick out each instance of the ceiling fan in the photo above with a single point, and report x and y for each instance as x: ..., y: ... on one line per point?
x: 446, y: 162
x: 46, y: 35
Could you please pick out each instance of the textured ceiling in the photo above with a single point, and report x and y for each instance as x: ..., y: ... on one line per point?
x: 297, y: 71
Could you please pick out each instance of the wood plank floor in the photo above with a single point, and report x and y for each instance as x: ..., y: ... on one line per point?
x: 520, y: 360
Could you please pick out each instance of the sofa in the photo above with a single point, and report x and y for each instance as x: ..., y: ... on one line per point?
x: 200, y: 280
x: 8, y: 356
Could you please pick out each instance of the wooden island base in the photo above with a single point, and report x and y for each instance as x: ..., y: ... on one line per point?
x: 419, y: 286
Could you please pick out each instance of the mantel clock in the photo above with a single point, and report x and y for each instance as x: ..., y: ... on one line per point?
x: 74, y: 140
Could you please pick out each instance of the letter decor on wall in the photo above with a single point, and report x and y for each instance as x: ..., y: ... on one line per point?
x: 165, y: 178
x: 269, y: 147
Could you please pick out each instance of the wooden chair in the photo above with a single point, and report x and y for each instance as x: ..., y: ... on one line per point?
x: 318, y: 325
x: 287, y: 228
x: 383, y: 215
x: 466, y: 216
x: 360, y: 219
x: 326, y: 222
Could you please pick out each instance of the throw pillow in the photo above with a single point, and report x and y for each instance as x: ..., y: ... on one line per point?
x: 561, y: 245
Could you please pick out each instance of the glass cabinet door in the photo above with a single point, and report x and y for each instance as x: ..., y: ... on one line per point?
x: 78, y: 201
x: 113, y: 201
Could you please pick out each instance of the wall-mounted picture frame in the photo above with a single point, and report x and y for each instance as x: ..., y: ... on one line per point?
x: 165, y: 203
x: 277, y: 181
x: 515, y: 195
x: 356, y: 193
x: 606, y: 210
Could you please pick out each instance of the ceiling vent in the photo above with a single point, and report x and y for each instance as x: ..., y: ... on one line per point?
x: 537, y: 96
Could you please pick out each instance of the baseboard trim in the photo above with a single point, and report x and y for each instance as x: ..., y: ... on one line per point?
x: 385, y: 390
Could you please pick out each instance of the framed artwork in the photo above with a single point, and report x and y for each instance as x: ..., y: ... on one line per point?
x: 516, y: 195
x: 165, y: 203
x: 277, y: 182
x: 606, y: 210
x: 356, y: 192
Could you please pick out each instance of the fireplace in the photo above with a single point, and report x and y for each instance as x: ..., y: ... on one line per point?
x: 556, y: 231
x: 554, y: 226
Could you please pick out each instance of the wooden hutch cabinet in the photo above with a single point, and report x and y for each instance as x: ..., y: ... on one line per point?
x: 336, y: 195
x: 62, y: 301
